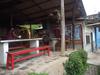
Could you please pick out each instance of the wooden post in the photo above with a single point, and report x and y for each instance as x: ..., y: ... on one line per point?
x: 30, y: 31
x: 81, y: 27
x: 62, y: 28
x: 95, y: 37
x: 73, y: 33
x: 73, y: 23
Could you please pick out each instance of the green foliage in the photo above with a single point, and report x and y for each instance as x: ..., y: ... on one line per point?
x: 76, y: 65
x: 98, y: 68
x: 33, y: 73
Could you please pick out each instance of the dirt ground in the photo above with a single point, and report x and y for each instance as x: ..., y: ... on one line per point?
x: 53, y: 65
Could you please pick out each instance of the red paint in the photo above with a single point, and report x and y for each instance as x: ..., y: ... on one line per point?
x: 11, y: 55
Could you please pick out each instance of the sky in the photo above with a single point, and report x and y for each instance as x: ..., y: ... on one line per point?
x: 91, y: 6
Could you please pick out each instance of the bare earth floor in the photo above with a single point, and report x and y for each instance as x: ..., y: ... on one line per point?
x: 50, y: 64
x: 94, y: 58
x: 53, y: 64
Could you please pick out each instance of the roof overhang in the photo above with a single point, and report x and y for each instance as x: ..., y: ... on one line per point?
x: 36, y: 11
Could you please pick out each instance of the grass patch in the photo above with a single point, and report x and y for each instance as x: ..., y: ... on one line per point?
x: 33, y: 73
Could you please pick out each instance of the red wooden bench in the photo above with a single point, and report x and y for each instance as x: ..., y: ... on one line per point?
x: 11, y: 55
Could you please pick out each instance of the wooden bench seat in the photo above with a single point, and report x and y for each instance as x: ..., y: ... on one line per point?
x: 11, y: 55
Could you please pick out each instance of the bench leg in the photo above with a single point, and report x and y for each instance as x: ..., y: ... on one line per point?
x: 10, y: 62
x: 7, y: 64
x: 48, y: 51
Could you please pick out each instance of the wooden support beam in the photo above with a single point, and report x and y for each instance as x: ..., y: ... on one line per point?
x: 62, y: 28
x: 73, y: 24
x: 95, y: 30
x: 81, y: 27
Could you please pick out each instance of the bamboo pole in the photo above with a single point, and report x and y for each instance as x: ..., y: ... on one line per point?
x: 62, y: 28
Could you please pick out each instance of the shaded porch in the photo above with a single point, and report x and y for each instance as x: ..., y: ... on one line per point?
x: 20, y: 12
x: 39, y: 64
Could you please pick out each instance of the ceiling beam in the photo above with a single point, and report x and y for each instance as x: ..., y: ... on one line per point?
x: 55, y: 7
x: 44, y: 11
x: 37, y: 4
x: 12, y: 8
x: 46, y: 15
x: 42, y: 18
x: 5, y: 1
x: 9, y: 5
x: 27, y: 16
x: 32, y: 6
x: 21, y: 10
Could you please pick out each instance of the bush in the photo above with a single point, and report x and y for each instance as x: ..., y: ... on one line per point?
x: 33, y: 73
x: 98, y: 69
x: 77, y: 63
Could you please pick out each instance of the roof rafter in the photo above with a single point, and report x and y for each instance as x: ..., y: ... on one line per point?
x: 9, y: 4
x: 47, y: 14
x: 44, y: 10
x: 32, y: 6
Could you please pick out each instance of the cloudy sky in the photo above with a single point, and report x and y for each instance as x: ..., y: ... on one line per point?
x: 91, y: 6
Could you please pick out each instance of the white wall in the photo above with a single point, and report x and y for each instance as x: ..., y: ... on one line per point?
x: 87, y: 31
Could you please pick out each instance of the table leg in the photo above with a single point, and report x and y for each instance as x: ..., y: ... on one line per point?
x: 34, y: 44
x: 3, y: 53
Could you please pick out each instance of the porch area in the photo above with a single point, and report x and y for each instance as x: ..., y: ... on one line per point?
x: 52, y: 64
